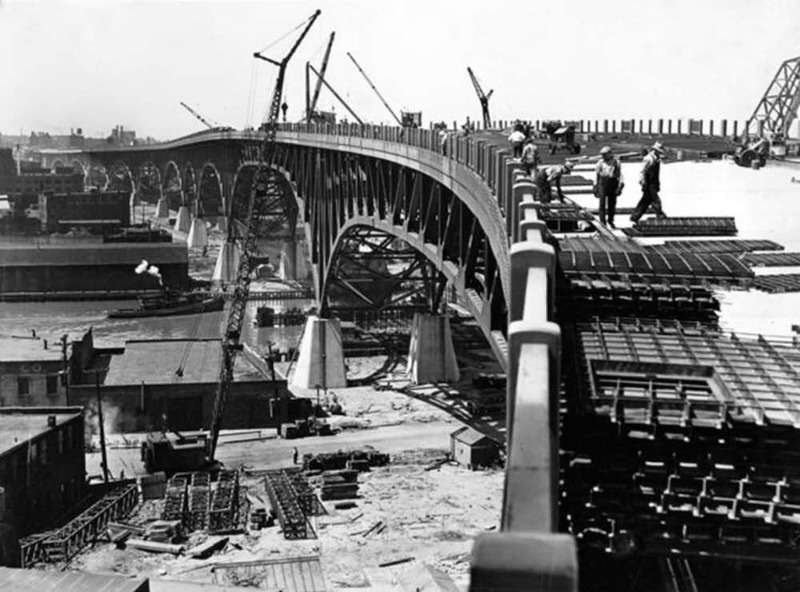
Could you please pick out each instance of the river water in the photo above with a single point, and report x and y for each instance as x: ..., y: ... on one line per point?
x: 765, y: 203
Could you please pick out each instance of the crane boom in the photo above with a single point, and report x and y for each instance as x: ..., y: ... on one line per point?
x: 397, y: 119
x: 335, y: 94
x: 483, y: 98
x: 197, y: 115
x: 323, y: 69
x: 266, y: 182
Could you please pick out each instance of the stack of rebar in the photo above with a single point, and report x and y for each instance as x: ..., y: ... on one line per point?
x: 224, y: 511
x: 175, y: 499
x: 196, y: 517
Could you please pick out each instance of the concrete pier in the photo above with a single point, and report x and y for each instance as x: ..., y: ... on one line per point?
x: 321, y: 358
x: 162, y: 209
x: 431, y: 356
x: 184, y: 221
x: 198, y: 236
x: 287, y: 269
x: 227, y: 263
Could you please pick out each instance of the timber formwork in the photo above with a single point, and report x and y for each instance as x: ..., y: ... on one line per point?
x: 700, y: 457
x: 175, y: 497
x: 282, y: 496
x: 776, y: 284
x: 63, y: 544
x: 700, y: 226
x: 224, y: 512
x: 583, y: 298
x: 715, y: 246
x: 722, y: 268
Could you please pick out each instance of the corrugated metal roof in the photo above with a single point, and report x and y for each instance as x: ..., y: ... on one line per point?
x: 95, y: 254
x: 155, y: 362
x: 31, y: 580
x: 289, y: 574
x: 469, y: 436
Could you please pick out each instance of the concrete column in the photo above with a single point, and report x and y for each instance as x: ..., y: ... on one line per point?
x: 724, y: 130
x: 649, y: 126
x: 431, y: 357
x: 198, y: 237
x: 679, y: 127
x: 183, y: 222
x: 287, y: 268
x: 613, y: 126
x: 321, y: 358
x: 227, y: 263
x: 660, y: 127
x: 162, y: 209
x: 735, y: 127
x: 669, y: 126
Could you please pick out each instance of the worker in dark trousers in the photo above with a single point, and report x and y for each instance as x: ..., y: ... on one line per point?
x: 608, y: 184
x: 295, y: 455
x: 650, y: 180
x: 550, y: 177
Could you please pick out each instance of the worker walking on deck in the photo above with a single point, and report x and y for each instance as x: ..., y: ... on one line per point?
x: 550, y: 177
x: 608, y: 184
x: 650, y: 180
x: 530, y: 158
x: 516, y: 139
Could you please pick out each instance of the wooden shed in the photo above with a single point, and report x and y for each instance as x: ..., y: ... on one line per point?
x: 472, y: 449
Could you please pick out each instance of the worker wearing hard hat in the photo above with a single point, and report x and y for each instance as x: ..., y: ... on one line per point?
x: 550, y: 177
x: 650, y: 180
x: 608, y: 184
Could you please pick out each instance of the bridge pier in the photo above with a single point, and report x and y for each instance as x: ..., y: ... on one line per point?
x: 321, y: 358
x: 227, y: 263
x: 184, y: 220
x: 287, y: 269
x: 431, y: 356
x: 198, y: 236
x: 162, y: 209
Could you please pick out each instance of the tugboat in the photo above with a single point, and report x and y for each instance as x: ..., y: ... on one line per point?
x: 172, y: 303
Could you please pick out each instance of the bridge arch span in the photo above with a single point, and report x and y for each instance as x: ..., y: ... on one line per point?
x: 172, y: 185
x: 210, y: 197
x: 189, y: 184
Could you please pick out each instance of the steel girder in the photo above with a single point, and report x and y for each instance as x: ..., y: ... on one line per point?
x: 777, y: 109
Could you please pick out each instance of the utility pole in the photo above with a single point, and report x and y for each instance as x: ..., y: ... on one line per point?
x: 102, y: 428
x: 66, y: 368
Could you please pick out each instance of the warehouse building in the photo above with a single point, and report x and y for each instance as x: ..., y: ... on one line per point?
x: 57, y: 210
x: 42, y: 471
x: 31, y: 373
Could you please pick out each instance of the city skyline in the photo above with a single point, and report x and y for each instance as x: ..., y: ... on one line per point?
x: 95, y: 65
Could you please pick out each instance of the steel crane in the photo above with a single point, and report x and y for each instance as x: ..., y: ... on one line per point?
x: 311, y: 105
x: 183, y: 452
x: 202, y: 119
x: 396, y: 118
x: 483, y: 98
x: 321, y: 79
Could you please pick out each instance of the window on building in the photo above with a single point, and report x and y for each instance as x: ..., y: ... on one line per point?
x: 23, y: 385
x: 42, y: 445
x: 62, y: 435
x: 52, y: 384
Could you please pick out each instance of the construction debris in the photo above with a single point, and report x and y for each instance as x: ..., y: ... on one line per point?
x: 207, y: 548
x: 331, y: 461
x: 396, y: 562
x: 155, y: 547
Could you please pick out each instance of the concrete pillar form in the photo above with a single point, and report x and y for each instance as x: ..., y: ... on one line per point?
x: 431, y: 356
x: 321, y: 358
x: 227, y: 263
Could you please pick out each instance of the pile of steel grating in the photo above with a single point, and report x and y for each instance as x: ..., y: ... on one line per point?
x: 584, y: 298
x: 224, y: 512
x: 771, y: 259
x: 563, y: 217
x: 778, y: 284
x: 701, y: 226
x: 66, y: 542
x: 305, y: 495
x: 199, y: 495
x: 683, y: 267
x: 175, y: 497
x: 283, y: 497
x: 700, y: 457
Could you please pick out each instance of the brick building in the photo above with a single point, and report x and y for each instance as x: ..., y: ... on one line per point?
x: 56, y: 209
x: 86, y: 266
x: 8, y: 170
x: 173, y: 380
x: 31, y: 372
x: 35, y: 183
x: 42, y: 471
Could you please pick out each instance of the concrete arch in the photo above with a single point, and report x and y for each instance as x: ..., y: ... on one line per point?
x: 172, y: 185
x: 120, y: 178
x: 77, y: 165
x: 210, y: 198
x: 189, y: 184
x: 148, y: 182
x: 96, y: 177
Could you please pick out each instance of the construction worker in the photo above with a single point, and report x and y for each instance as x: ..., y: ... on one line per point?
x: 650, y: 181
x: 547, y: 177
x: 516, y: 139
x: 530, y: 157
x: 608, y: 184
x: 443, y: 136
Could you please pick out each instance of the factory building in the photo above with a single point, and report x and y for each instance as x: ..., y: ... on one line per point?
x: 42, y: 471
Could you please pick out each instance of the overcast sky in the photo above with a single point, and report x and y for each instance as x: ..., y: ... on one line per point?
x: 95, y: 64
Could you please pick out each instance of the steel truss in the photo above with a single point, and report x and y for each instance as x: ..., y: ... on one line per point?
x: 777, y: 109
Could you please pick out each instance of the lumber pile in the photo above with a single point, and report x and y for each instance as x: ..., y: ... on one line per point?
x: 334, y: 461
x: 338, y: 485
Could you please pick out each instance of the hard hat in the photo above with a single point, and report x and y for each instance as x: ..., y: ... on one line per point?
x: 605, y: 150
x: 658, y: 147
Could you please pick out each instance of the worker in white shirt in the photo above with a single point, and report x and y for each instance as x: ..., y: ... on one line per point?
x: 608, y: 184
